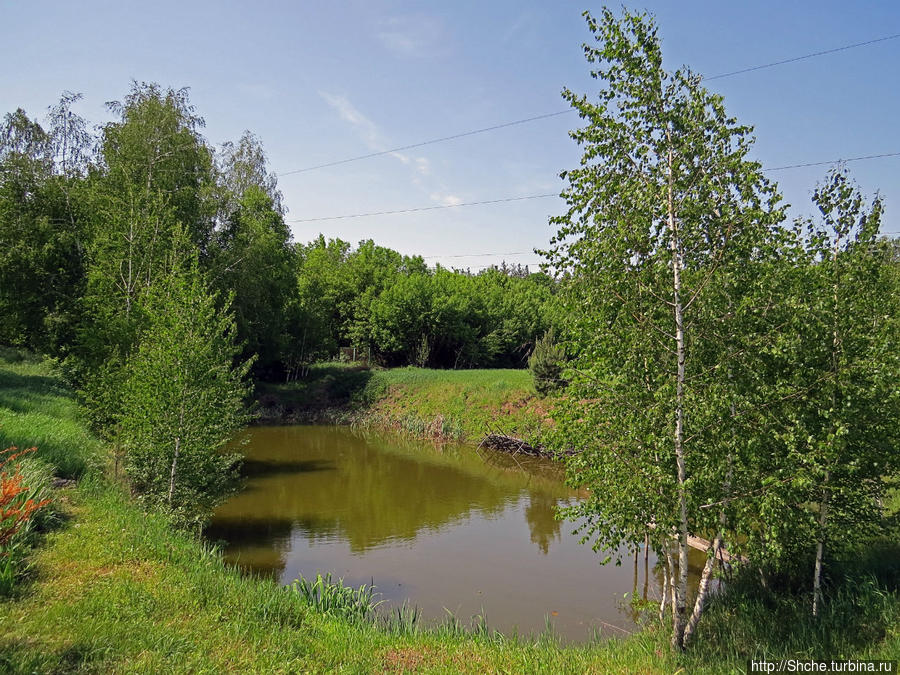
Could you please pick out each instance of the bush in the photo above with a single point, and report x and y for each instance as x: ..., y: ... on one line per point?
x: 546, y: 364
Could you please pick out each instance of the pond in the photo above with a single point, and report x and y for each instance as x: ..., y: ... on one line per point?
x: 444, y: 528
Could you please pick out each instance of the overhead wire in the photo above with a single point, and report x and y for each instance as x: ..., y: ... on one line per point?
x: 556, y: 114
x: 429, y: 142
x: 833, y: 161
x: 421, y: 208
x: 536, y: 118
x: 555, y: 194
x: 802, y: 58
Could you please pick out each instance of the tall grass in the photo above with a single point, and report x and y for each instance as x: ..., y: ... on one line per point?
x: 331, y: 597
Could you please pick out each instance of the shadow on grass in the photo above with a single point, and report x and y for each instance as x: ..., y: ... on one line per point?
x: 27, y: 573
x: 860, y: 610
x: 24, y: 393
x: 18, y: 656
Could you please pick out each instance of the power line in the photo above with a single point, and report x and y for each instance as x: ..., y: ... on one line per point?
x: 802, y: 58
x: 473, y: 255
x: 433, y: 140
x: 536, y: 118
x: 421, y: 208
x: 543, y: 196
x: 833, y: 161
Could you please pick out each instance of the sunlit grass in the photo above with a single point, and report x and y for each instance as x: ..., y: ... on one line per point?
x: 451, y: 404
x: 37, y: 410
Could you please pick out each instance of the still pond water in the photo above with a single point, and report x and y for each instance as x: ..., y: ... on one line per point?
x: 443, y: 528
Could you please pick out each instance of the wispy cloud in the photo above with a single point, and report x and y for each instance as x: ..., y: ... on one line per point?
x: 410, y: 35
x: 445, y: 199
x: 366, y: 128
x: 372, y: 136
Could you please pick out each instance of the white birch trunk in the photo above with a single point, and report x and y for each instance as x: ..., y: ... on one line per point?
x: 703, y: 589
x: 680, y: 588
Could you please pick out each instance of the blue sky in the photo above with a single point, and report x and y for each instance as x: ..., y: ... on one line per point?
x: 322, y: 81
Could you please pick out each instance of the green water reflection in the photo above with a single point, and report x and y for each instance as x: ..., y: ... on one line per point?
x: 447, y: 528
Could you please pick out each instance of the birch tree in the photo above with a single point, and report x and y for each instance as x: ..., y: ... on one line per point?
x: 838, y: 441
x: 182, y: 397
x: 665, y: 215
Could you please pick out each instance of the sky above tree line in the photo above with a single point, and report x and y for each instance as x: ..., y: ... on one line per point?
x: 321, y: 82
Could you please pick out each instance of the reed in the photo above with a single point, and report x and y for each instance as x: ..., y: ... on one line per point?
x: 331, y: 597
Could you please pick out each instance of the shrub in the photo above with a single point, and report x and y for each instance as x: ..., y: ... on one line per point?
x: 546, y: 364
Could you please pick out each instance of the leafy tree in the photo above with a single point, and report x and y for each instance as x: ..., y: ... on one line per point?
x: 400, y: 320
x: 42, y: 230
x: 243, y: 166
x: 321, y: 294
x: 837, y: 441
x: 182, y: 399
x: 665, y: 213
x: 155, y: 176
x: 70, y: 136
x: 253, y: 259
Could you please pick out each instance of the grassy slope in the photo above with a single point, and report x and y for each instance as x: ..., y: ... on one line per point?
x: 36, y: 409
x: 116, y: 591
x: 459, y: 404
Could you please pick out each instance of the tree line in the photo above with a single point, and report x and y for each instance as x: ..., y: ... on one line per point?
x: 160, y: 272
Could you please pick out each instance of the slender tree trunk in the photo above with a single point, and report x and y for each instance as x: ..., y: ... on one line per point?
x: 174, y: 465
x: 820, y: 549
x: 636, y: 570
x: 670, y: 564
x: 703, y: 590
x: 678, y: 439
x: 665, y: 589
x: 835, y: 366
x: 177, y: 446
x: 646, y: 565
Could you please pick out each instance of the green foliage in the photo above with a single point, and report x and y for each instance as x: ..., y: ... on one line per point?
x: 254, y: 262
x: 182, y: 398
x: 42, y: 235
x: 252, y: 257
x: 160, y: 600
x: 665, y: 214
x: 155, y: 184
x: 546, y: 364
x: 830, y: 379
x: 333, y: 598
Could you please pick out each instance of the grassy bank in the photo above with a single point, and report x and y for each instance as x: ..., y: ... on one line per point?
x: 117, y: 591
x: 455, y: 404
x: 38, y: 410
x: 114, y: 589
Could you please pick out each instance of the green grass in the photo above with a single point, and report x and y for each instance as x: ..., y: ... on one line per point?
x: 456, y: 404
x: 37, y: 409
x: 117, y: 591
